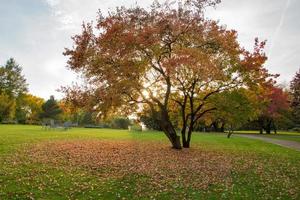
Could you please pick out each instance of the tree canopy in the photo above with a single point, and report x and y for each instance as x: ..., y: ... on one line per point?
x: 164, y: 57
x: 275, y: 102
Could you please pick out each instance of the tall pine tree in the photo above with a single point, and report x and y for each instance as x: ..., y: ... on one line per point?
x: 12, y: 82
x: 51, y: 109
x: 13, y: 87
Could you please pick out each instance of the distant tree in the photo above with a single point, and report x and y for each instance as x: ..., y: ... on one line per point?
x: 22, y: 112
x: 87, y: 118
x: 234, y: 109
x: 51, y: 109
x: 163, y: 57
x: 12, y: 82
x: 120, y: 123
x: 7, y: 108
x: 29, y: 109
x: 286, y: 120
x: 12, y: 87
x: 295, y: 102
x: 69, y: 112
x: 277, y: 102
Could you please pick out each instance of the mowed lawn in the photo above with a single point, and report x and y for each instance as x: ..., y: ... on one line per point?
x: 116, y: 164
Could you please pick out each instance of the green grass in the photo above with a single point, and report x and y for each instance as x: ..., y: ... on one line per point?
x: 273, y: 171
x: 13, y: 136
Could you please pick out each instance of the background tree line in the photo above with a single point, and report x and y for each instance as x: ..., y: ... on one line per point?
x: 279, y: 109
x: 18, y: 106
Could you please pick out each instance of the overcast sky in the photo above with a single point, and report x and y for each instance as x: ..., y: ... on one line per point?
x: 35, y: 33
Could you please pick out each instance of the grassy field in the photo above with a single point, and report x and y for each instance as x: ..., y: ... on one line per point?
x: 116, y: 164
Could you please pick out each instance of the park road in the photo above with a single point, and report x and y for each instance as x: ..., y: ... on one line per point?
x: 284, y: 143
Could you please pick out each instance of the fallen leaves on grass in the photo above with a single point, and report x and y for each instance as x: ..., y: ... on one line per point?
x: 150, y: 169
x: 189, y: 168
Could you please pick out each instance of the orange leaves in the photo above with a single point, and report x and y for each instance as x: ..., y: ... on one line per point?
x: 192, y: 168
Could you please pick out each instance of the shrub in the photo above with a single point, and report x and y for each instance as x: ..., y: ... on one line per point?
x: 136, y: 127
x: 296, y: 129
x: 151, y: 122
x: 120, y: 123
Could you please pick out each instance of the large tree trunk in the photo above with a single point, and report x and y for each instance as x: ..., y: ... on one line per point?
x: 170, y: 131
x: 183, y: 137
x: 185, y: 140
x: 185, y: 143
x: 172, y: 135
x: 189, y: 136
x: 183, y: 131
x: 188, y: 142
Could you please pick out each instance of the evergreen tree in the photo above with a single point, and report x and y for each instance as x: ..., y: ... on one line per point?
x: 12, y: 87
x: 12, y: 82
x: 50, y: 109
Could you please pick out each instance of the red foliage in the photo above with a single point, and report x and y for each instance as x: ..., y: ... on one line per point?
x: 277, y: 101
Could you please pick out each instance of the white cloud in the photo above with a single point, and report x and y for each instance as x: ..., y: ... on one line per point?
x: 279, y: 26
x: 276, y: 21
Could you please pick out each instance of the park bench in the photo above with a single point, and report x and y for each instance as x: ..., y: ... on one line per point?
x: 50, y: 125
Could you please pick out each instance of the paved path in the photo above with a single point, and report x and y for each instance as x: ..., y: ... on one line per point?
x: 285, y: 143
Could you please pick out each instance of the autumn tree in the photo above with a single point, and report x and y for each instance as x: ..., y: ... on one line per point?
x: 7, y: 108
x: 234, y: 109
x: 276, y: 102
x: 169, y: 55
x: 295, y: 93
x: 29, y: 109
x: 69, y: 112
